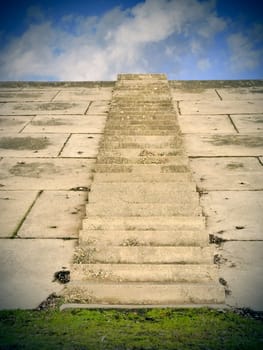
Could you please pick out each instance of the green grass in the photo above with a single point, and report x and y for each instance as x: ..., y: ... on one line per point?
x: 134, y: 329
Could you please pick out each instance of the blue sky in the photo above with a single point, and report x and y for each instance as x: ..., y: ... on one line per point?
x: 96, y: 40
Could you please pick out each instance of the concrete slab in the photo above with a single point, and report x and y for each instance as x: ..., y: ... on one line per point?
x: 66, y: 124
x: 89, y: 94
x: 45, y: 173
x: 242, y: 270
x: 13, y: 124
x: 26, y: 279
x: 99, y: 107
x: 82, y: 145
x: 205, y: 124
x: 248, y: 123
x: 33, y: 108
x: 14, y: 206
x: 234, y: 215
x: 249, y: 93
x: 224, y: 144
x: 193, y: 94
x: 56, y: 214
x: 227, y: 173
x: 31, y: 145
x: 221, y: 107
x: 27, y: 96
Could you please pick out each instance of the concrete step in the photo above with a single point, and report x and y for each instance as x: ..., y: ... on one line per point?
x: 122, y: 126
x: 136, y: 152
x: 141, y: 168
x: 145, y: 131
x: 186, y: 207
x: 144, y: 273
x: 114, y: 145
x: 144, y: 237
x: 144, y: 255
x: 144, y: 293
x: 150, y: 139
x: 149, y: 177
x: 151, y: 223
x: 169, y: 160
x: 143, y: 193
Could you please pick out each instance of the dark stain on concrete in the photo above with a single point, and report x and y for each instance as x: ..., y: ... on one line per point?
x: 61, y: 106
x: 50, y: 122
x: 24, y: 143
x: 237, y: 140
x: 235, y: 165
x: 10, y: 121
x: 34, y: 169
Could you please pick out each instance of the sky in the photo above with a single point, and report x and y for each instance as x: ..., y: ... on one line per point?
x: 78, y: 40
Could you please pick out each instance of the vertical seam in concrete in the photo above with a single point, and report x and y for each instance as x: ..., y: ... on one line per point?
x: 23, y: 128
x: 233, y: 124
x: 219, y: 96
x: 86, y: 111
x: 15, y: 233
x: 64, y: 145
x: 178, y: 107
x: 52, y: 99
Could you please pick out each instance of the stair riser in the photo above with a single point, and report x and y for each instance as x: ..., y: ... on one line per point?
x: 143, y: 273
x: 141, y: 294
x: 144, y: 255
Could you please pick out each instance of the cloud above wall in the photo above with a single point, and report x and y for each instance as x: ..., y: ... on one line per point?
x: 172, y: 36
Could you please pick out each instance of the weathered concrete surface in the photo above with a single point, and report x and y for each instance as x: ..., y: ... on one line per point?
x: 45, y: 173
x: 216, y: 174
x: 229, y: 173
x: 131, y: 222
x: 13, y: 124
x: 234, y: 215
x: 241, y: 267
x: 72, y: 124
x: 44, y: 181
x: 14, y: 206
x: 61, y: 219
x: 27, y: 270
x: 31, y: 145
x: 205, y: 124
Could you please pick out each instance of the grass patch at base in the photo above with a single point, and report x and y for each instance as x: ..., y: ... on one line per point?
x: 129, y: 330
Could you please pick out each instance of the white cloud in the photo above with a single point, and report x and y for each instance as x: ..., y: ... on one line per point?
x: 151, y: 36
x: 246, y: 50
x: 204, y: 64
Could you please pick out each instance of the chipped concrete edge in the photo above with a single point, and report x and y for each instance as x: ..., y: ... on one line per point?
x: 71, y: 306
x: 185, y: 84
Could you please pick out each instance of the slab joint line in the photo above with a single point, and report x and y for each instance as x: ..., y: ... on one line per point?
x: 220, y: 97
x: 64, y: 145
x: 233, y: 124
x: 15, y: 233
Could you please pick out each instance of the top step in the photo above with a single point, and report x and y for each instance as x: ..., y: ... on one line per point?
x: 141, y: 76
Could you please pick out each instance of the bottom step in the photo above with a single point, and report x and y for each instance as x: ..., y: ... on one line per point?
x: 144, y: 293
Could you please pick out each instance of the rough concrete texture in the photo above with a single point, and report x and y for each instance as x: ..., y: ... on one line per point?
x: 27, y: 270
x: 226, y: 168
x: 116, y: 231
x: 47, y: 157
x: 226, y: 159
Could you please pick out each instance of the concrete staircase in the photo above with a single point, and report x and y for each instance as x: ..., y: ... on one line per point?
x: 143, y: 240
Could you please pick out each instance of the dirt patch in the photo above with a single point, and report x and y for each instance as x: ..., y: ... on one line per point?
x: 34, y: 169
x: 46, y: 106
x: 233, y: 140
x: 234, y: 165
x: 50, y: 122
x: 10, y: 121
x: 24, y: 143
